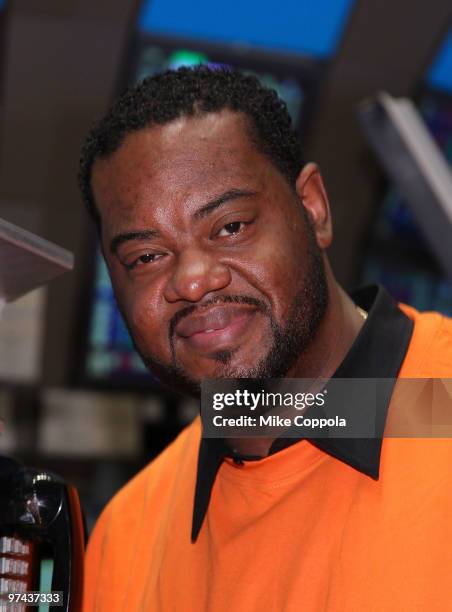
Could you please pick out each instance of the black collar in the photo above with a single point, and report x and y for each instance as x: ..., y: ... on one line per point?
x: 378, y: 352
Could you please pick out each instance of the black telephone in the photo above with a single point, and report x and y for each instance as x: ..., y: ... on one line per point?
x: 42, y: 537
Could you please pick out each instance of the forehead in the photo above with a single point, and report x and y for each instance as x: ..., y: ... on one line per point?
x: 187, y: 159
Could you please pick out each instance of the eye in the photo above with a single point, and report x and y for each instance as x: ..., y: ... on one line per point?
x: 231, y: 228
x: 144, y: 259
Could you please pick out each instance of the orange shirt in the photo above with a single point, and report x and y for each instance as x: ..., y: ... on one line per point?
x: 297, y: 530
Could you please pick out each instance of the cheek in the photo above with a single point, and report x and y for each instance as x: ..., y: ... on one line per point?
x: 278, y: 268
x: 145, y: 319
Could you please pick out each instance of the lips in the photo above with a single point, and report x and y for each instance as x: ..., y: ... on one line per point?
x: 217, y: 327
x: 214, y: 319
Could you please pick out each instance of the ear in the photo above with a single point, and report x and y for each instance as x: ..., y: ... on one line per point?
x: 312, y: 194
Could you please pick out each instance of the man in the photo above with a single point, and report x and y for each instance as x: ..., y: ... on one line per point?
x: 214, y: 231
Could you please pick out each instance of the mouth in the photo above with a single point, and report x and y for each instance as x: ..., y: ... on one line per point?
x: 218, y: 328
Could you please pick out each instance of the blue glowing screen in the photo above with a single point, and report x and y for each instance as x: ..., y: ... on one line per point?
x: 440, y: 73
x: 312, y: 28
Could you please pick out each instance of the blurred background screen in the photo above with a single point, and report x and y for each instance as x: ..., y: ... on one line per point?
x: 397, y: 255
x: 307, y: 28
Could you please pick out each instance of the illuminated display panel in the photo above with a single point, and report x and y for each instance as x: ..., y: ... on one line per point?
x: 110, y: 352
x: 399, y: 257
x: 439, y: 76
x: 309, y: 28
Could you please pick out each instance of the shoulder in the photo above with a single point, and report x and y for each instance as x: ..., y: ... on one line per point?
x: 179, y: 458
x: 160, y: 486
x: 430, y: 349
x: 156, y: 491
x: 136, y: 516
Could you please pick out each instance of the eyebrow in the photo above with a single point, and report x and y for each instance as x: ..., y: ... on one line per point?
x: 203, y: 211
x: 228, y: 196
x: 119, y: 239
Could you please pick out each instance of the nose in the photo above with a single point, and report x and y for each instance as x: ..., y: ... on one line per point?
x: 196, y: 273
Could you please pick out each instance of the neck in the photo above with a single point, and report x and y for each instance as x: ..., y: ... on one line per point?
x: 336, y: 333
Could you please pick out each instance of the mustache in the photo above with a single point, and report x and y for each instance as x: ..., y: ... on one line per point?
x: 220, y: 299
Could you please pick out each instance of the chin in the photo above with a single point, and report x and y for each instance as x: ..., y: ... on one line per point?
x: 227, y: 363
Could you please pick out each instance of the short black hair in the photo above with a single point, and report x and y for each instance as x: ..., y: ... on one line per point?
x: 189, y: 92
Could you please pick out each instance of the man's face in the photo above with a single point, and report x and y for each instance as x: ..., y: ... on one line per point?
x: 214, y: 265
